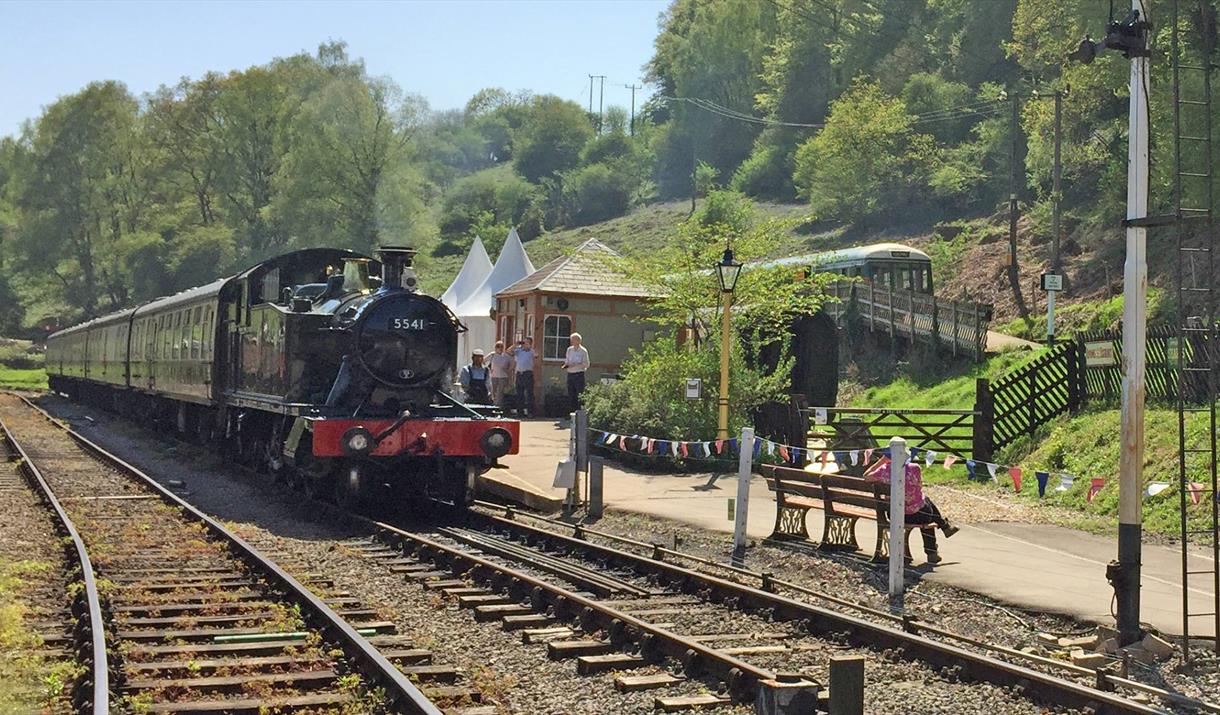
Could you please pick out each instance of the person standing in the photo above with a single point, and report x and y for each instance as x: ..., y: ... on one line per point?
x: 523, y: 356
x: 919, y: 508
x: 475, y: 379
x: 501, y: 365
x: 576, y: 363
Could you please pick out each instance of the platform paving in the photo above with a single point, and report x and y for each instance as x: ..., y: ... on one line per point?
x: 1036, y: 566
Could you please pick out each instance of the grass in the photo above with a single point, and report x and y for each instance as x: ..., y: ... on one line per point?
x: 27, y: 681
x: 1084, y: 445
x: 23, y: 379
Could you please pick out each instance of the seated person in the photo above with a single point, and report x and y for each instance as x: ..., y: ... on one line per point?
x: 919, y: 508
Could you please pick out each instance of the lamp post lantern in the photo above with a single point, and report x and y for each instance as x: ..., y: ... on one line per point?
x: 727, y: 272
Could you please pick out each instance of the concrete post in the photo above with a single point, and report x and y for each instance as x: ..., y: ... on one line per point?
x: 898, y: 464
x: 595, y: 486
x: 745, y: 462
x: 846, y: 685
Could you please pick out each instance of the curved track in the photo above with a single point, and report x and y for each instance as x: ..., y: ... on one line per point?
x: 179, y: 614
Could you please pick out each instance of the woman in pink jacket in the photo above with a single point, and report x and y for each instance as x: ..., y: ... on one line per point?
x: 919, y: 508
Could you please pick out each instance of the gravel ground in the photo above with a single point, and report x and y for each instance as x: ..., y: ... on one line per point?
x: 959, y: 611
x: 522, y: 679
x: 33, y: 602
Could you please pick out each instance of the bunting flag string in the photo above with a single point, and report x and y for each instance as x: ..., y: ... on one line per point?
x: 1196, y: 490
x: 1155, y: 488
x: 799, y: 456
x: 1095, y: 486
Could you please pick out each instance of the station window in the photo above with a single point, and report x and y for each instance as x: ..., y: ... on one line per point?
x: 556, y: 329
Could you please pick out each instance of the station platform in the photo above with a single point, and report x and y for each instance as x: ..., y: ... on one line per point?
x: 1036, y: 566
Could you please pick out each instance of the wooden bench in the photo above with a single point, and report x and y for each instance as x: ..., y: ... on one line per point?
x: 845, y: 500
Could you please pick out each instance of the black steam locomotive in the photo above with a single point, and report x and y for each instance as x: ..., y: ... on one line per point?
x: 307, y: 366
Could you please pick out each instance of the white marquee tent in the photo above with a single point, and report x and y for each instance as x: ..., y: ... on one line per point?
x: 474, y: 308
x: 474, y: 271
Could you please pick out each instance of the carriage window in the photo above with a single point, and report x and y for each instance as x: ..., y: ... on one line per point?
x: 206, y: 344
x: 556, y: 329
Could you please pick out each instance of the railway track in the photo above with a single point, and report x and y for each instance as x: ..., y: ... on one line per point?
x: 176, y: 613
x: 616, y: 610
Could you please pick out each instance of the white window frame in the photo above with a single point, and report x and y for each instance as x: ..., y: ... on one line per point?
x: 562, y: 347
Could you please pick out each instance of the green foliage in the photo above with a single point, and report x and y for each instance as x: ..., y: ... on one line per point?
x: 728, y: 211
x: 766, y: 173
x: 597, y: 192
x: 503, y: 195
x: 650, y: 399
x: 552, y: 140
x: 867, y: 159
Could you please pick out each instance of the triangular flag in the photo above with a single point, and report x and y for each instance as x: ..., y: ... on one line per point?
x: 707, y: 449
x: 868, y: 455
x: 685, y: 449
x: 1042, y: 477
x: 991, y: 470
x: 783, y: 453
x: 757, y: 449
x: 824, y: 458
x: 1155, y: 488
x: 1065, y: 482
x: 1095, y: 486
x: 1015, y: 473
x: 949, y: 460
x: 719, y: 446
x: 930, y: 458
x: 840, y: 458
x: 1195, y: 489
x: 970, y: 463
x: 855, y: 457
x: 913, y: 454
x: 796, y: 455
x: 770, y: 446
x: 649, y: 442
x: 622, y: 443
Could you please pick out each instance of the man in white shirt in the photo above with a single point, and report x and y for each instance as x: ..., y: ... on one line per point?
x: 576, y: 363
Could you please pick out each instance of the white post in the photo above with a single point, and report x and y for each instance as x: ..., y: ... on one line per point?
x: 898, y: 516
x: 745, y: 461
x: 1135, y: 305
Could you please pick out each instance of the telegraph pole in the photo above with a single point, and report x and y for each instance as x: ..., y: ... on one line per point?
x: 601, y: 95
x: 591, y: 94
x: 633, y: 88
x: 1055, y: 201
x: 1014, y: 181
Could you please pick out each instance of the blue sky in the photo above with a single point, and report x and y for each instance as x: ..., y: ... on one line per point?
x: 444, y: 50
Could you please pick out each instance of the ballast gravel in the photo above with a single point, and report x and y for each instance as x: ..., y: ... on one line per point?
x: 519, y: 678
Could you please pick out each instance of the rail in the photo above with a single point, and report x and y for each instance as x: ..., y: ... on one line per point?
x: 905, y: 636
x: 99, y: 668
x: 401, y: 693
x: 956, y: 325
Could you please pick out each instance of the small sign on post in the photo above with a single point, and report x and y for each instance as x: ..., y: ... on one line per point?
x: 1052, y: 282
x: 898, y: 517
x: 745, y: 463
x: 694, y: 388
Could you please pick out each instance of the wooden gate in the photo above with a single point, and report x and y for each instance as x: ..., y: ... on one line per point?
x: 960, y: 432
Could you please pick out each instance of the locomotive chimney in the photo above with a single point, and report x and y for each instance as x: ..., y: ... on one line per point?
x: 396, y: 270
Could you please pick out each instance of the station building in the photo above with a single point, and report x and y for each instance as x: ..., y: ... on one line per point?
x: 582, y: 293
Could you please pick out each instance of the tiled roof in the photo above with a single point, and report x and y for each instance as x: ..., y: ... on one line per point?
x: 586, y: 272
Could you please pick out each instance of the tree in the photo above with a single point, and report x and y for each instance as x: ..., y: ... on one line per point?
x: 552, y: 138
x: 349, y: 136
x: 867, y: 158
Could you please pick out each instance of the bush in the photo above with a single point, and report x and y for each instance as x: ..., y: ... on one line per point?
x: 727, y: 209
x: 505, y: 196
x: 552, y: 139
x: 650, y: 399
x: 597, y: 192
x: 767, y: 173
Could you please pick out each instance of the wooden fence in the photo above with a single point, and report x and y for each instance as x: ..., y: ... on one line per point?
x: 1101, y: 358
x: 1034, y: 394
x: 957, y: 326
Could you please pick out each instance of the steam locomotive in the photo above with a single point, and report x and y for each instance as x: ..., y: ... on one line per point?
x: 308, y: 366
